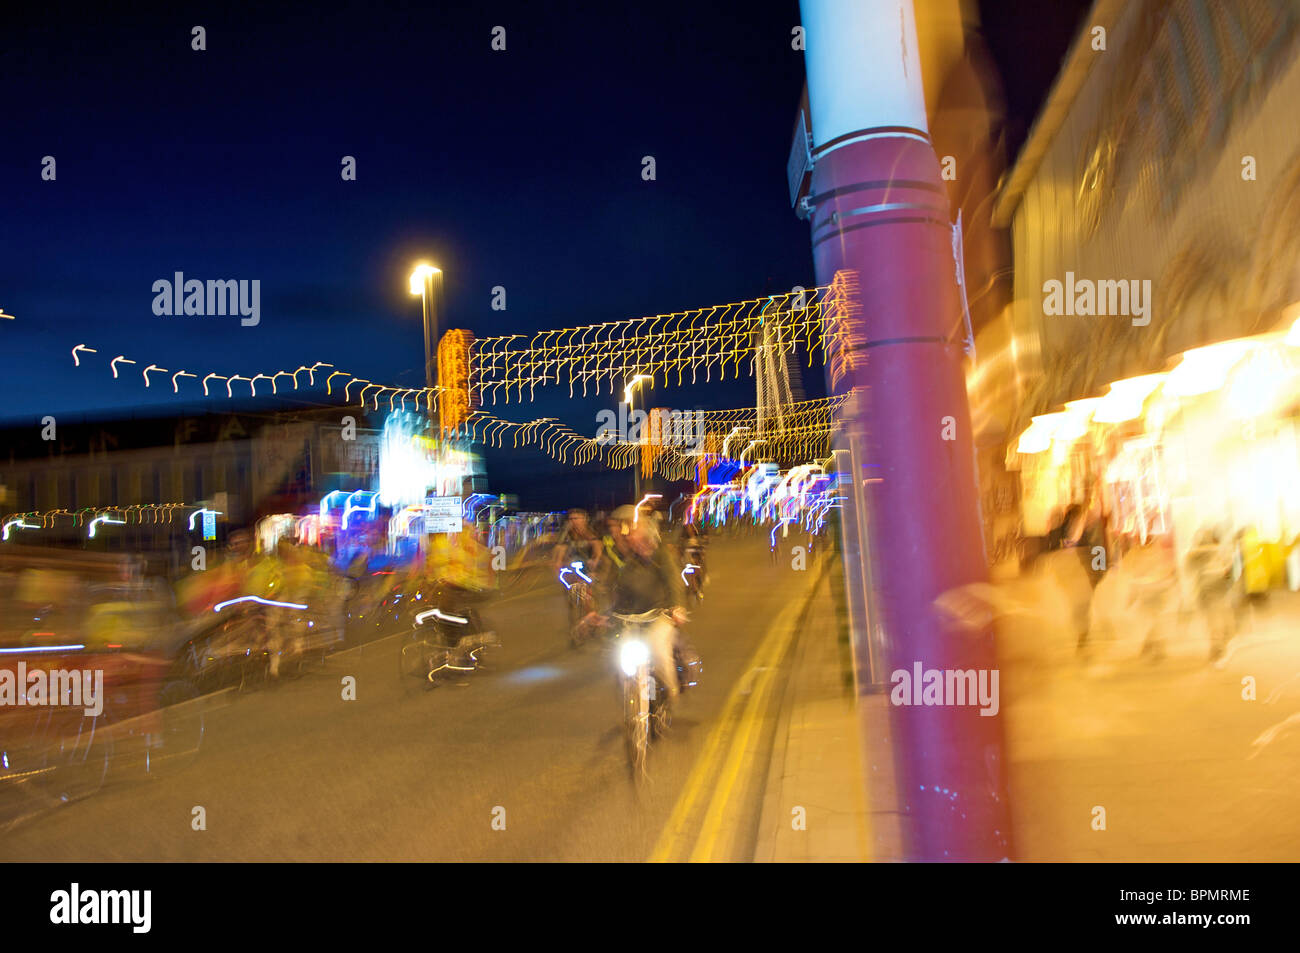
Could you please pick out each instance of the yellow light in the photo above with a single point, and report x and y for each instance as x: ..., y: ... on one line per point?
x: 1204, y: 369
x: 627, y: 391
x: 1293, y: 336
x: 1038, y: 435
x: 421, y: 274
x: 1072, y: 423
x: 1125, y: 399
x: 1261, y: 383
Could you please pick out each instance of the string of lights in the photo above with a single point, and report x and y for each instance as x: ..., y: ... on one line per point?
x: 798, y: 414
x: 702, y: 340
x: 89, y: 516
x: 708, y: 340
x: 213, y: 383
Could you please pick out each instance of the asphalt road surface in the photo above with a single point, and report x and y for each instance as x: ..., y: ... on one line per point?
x: 524, y: 761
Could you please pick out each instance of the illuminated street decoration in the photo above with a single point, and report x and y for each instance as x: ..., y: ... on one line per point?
x: 140, y: 513
x: 427, y: 396
x: 708, y: 340
x: 329, y: 501
x: 453, y: 377
x: 202, y: 511
x: 308, y: 530
x: 704, y: 339
x: 19, y: 524
x: 361, y: 501
x: 844, y: 323
x: 807, y: 435
x: 271, y: 529
x: 103, y: 519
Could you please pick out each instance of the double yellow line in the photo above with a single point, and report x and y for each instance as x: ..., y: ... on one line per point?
x: 738, y: 723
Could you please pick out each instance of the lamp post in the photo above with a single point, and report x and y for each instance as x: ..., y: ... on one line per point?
x: 426, y: 281
x: 911, y: 522
x: 628, y: 390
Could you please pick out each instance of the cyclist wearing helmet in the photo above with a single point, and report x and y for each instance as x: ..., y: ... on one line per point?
x: 647, y: 579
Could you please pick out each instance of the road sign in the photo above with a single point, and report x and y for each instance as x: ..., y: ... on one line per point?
x: 443, y: 514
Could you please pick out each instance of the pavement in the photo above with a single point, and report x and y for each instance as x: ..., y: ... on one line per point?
x: 1120, y: 757
x: 1112, y: 755
x: 815, y: 807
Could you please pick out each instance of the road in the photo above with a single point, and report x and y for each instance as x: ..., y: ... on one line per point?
x: 522, y: 762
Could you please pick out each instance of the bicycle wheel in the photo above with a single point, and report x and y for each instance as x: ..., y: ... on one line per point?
x: 637, y: 724
x: 75, y: 761
x: 177, y: 745
x: 661, y: 711
x: 414, y: 664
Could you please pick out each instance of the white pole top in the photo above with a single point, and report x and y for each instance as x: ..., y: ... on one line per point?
x: 863, y: 65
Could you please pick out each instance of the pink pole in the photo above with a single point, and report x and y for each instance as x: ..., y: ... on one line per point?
x: 878, y: 208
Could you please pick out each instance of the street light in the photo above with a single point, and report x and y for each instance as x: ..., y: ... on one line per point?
x: 752, y: 445
x: 627, y: 390
x: 627, y: 398
x: 423, y: 280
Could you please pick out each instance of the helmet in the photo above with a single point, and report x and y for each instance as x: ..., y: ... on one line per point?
x: 627, y: 515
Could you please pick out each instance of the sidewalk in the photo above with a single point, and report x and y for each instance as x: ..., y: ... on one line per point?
x: 1185, y: 764
x: 817, y: 758
x: 1190, y: 761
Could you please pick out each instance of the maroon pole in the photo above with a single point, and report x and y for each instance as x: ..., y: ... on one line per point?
x: 879, y: 210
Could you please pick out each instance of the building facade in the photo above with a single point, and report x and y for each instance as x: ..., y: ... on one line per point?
x: 1156, y: 248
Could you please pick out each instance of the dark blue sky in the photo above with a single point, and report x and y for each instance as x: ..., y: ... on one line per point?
x: 519, y: 168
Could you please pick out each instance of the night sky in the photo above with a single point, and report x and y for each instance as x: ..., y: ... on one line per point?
x: 519, y: 168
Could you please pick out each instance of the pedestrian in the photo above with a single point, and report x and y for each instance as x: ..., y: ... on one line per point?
x: 1209, y: 564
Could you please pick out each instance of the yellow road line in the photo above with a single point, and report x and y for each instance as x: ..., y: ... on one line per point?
x: 739, y: 754
x: 675, y: 831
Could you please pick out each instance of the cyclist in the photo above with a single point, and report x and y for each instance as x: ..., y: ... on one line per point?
x: 577, y: 542
x: 646, y: 579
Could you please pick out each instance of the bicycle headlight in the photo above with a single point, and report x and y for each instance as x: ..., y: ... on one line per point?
x: 632, y: 656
